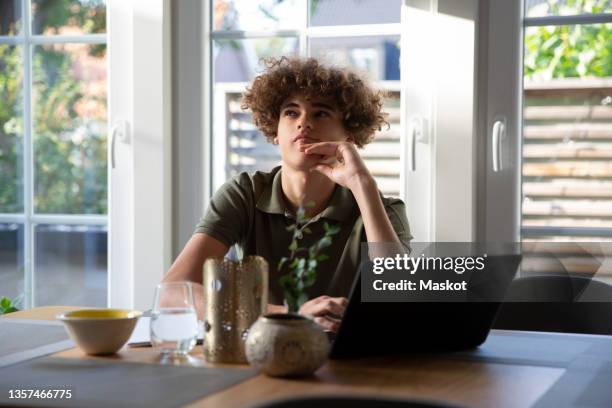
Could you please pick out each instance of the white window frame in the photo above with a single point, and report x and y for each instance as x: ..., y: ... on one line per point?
x: 29, y: 219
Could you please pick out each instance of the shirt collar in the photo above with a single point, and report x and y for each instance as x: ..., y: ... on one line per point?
x: 339, y: 208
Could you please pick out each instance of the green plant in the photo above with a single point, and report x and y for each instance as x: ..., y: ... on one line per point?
x: 302, y: 261
x: 68, y: 118
x: 569, y: 51
x: 8, y: 306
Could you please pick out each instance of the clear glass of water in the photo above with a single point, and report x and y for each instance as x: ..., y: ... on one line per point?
x: 174, y: 322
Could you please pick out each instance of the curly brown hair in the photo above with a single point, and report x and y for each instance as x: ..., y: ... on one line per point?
x: 359, y: 104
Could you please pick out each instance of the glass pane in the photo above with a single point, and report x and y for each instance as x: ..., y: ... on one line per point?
x: 568, y: 51
x: 69, y: 104
x: 541, y: 8
x: 376, y: 55
x: 11, y: 261
x: 236, y: 63
x: 350, y: 12
x: 248, y: 15
x: 11, y: 129
x: 10, y: 17
x: 71, y: 265
x: 240, y: 60
x: 68, y: 17
x: 248, y: 149
x: 567, y: 134
x: 382, y: 155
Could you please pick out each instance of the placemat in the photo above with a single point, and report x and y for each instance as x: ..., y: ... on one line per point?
x: 22, y: 340
x: 586, y: 383
x: 529, y: 348
x: 108, y: 383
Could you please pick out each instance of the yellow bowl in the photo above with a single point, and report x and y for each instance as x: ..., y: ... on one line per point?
x: 100, y: 331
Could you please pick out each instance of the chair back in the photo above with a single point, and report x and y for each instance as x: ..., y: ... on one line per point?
x: 558, y: 303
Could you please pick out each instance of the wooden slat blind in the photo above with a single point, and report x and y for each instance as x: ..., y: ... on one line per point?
x: 567, y: 154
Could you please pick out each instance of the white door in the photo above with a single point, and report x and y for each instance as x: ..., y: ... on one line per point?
x: 139, y: 172
x: 439, y: 91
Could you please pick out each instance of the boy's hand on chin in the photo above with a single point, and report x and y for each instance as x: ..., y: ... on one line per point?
x: 339, y: 161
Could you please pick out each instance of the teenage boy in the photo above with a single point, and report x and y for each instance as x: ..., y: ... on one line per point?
x: 318, y: 116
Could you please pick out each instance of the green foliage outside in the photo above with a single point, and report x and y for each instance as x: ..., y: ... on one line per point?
x: 11, y: 129
x: 68, y: 114
x: 569, y: 51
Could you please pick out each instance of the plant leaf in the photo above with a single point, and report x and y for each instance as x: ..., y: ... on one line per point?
x: 5, y: 302
x: 303, y: 298
x: 324, y: 242
x: 293, y: 245
x: 309, y: 281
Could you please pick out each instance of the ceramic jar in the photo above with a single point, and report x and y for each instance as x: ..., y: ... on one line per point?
x: 286, y: 345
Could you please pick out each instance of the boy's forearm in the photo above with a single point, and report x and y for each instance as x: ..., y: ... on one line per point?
x: 375, y: 219
x: 188, y: 265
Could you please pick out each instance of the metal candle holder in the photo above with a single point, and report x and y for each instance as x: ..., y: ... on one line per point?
x: 235, y: 295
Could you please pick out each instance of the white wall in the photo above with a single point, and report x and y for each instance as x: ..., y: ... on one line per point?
x: 188, y: 124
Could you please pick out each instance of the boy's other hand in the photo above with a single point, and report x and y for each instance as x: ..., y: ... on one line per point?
x: 326, y: 311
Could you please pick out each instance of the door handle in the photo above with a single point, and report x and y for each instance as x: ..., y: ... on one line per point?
x: 119, y: 131
x: 498, y: 133
x: 416, y: 133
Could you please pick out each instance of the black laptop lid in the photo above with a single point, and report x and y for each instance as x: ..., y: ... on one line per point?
x: 379, y: 328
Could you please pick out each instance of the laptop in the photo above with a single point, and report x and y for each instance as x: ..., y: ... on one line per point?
x: 383, y: 328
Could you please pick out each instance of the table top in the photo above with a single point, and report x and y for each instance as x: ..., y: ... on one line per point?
x: 469, y: 383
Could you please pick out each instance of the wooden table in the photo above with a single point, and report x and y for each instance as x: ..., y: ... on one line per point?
x: 462, y: 382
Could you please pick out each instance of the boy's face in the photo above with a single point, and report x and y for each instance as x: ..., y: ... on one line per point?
x: 303, y: 122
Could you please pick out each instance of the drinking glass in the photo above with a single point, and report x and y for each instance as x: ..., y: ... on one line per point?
x: 174, y: 322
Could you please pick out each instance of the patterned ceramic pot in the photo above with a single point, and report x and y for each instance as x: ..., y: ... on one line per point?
x: 286, y: 345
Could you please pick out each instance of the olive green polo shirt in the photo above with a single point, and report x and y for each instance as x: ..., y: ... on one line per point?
x: 249, y: 211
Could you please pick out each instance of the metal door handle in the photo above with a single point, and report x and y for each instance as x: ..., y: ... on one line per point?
x: 119, y: 131
x: 417, y: 133
x: 498, y: 133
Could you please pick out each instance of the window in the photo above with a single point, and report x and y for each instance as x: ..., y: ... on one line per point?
x: 367, y: 38
x: 53, y: 178
x: 567, y: 136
